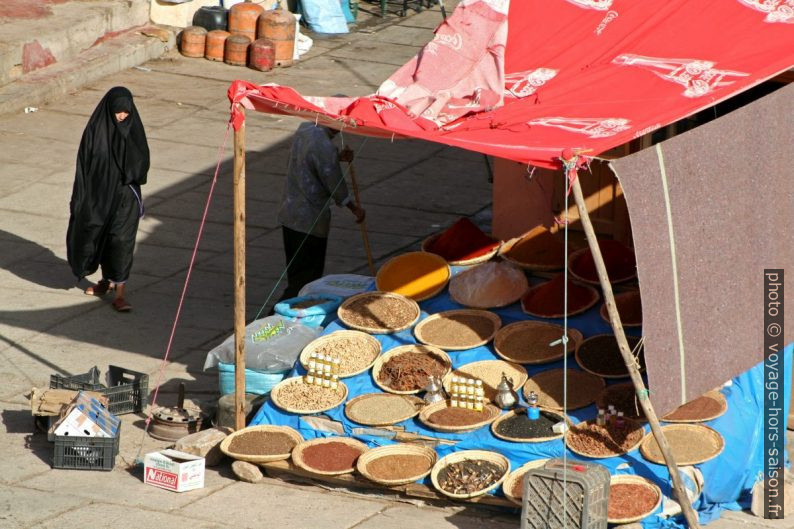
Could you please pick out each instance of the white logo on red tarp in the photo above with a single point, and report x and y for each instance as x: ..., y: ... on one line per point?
x: 161, y: 477
x: 500, y: 6
x: 454, y: 41
x: 592, y: 127
x: 699, y: 77
x: 776, y: 10
x: 523, y: 84
x: 600, y: 5
x: 609, y: 17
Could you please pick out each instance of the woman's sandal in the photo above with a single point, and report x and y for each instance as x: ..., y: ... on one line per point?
x: 121, y: 305
x: 100, y: 289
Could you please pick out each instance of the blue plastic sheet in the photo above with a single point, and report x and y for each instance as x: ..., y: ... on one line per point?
x: 324, y: 16
x: 728, y: 478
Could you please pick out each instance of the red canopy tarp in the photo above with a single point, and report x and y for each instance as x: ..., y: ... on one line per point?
x: 524, y: 80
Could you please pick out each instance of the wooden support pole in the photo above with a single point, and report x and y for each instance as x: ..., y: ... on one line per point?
x: 363, y: 223
x: 239, y: 275
x: 625, y: 351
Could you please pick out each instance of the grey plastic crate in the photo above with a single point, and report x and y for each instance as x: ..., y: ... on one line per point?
x: 557, y: 496
x: 85, y: 453
x: 128, y: 391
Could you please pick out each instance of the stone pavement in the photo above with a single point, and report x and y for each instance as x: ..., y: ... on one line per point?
x: 410, y: 190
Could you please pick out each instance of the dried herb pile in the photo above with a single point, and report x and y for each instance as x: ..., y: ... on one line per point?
x: 467, y: 477
x: 410, y: 371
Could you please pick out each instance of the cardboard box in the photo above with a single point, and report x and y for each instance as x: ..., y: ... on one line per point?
x: 86, y: 417
x: 173, y: 470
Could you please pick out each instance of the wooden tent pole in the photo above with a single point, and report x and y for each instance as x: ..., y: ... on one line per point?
x: 239, y: 274
x: 625, y: 351
x: 363, y: 223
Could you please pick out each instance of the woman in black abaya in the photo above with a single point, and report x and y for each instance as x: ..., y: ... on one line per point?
x: 112, y: 164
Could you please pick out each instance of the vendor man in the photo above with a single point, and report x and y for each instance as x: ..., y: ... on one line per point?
x: 314, y: 177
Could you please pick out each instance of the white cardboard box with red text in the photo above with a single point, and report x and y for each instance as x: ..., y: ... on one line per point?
x: 173, y: 470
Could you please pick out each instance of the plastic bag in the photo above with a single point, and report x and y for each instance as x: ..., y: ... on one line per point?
x: 324, y: 16
x: 272, y: 344
x: 313, y: 316
x: 344, y: 285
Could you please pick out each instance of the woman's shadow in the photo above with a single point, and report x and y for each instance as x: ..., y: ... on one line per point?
x: 34, y: 263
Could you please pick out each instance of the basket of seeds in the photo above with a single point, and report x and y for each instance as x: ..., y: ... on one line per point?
x: 530, y: 342
x: 517, y: 427
x: 382, y: 409
x: 469, y: 473
x: 356, y: 351
x: 406, y: 369
x: 261, y: 443
x: 296, y: 396
x: 379, y: 312
x: 631, y: 498
x: 583, y: 388
x: 458, y: 330
x: 396, y: 464
x: 513, y: 486
x: 444, y: 417
x: 601, y: 441
x: 600, y: 355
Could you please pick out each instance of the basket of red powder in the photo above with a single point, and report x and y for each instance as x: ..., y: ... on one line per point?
x: 462, y: 244
x: 328, y: 456
x: 546, y: 300
x: 538, y: 250
x: 618, y: 258
x: 629, y: 307
x: 631, y: 498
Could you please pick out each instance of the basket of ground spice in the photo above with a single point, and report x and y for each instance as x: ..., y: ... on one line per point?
x: 530, y: 342
x: 458, y: 330
x: 704, y: 408
x: 611, y: 439
x: 600, y: 355
x: 406, y: 369
x: 382, y: 409
x: 415, y: 275
x: 619, y: 260
x: 462, y: 244
x: 296, y: 396
x: 513, y: 485
x: 469, y: 473
x: 356, y: 351
x: 328, y: 456
x: 623, y: 397
x: 690, y: 444
x: 396, y: 464
x: 488, y: 285
x: 517, y: 427
x: 631, y: 498
x: 443, y: 417
x: 490, y: 372
x: 629, y: 307
x: 379, y: 312
x: 261, y: 443
x: 583, y: 388
x: 538, y: 250
x: 546, y: 300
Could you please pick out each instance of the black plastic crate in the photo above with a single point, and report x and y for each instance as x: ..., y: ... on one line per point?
x: 127, y: 392
x: 86, y: 453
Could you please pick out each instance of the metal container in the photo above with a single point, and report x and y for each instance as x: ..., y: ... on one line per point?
x: 262, y: 55
x: 236, y: 50
x: 506, y: 397
x: 192, y: 41
x: 278, y: 26
x: 243, y: 17
x: 216, y: 40
x: 211, y: 18
x: 434, y: 391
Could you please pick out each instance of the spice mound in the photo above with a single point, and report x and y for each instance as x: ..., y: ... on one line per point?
x: 308, y: 303
x: 262, y: 443
x: 702, y: 408
x: 398, y: 466
x: 456, y: 330
x: 453, y: 416
x: 462, y: 241
x: 303, y: 397
x: 415, y: 275
x: 631, y: 500
x: 624, y: 398
x: 355, y: 352
x: 601, y: 355
x: 538, y: 248
x: 546, y: 300
x: 410, y: 371
x: 381, y: 408
x: 530, y: 342
x: 378, y: 312
x: 618, y: 258
x: 493, y: 284
x: 520, y: 426
x: 333, y: 456
x: 611, y: 439
x: 470, y: 476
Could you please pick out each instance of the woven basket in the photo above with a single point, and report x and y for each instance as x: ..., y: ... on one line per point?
x: 602, y: 401
x: 574, y: 339
x: 635, y: 480
x: 397, y: 261
x: 580, y: 252
x: 315, y: 344
x: 342, y: 313
x: 494, y: 318
x: 633, y: 424
x: 489, y: 414
x: 576, y: 380
x: 493, y: 375
x: 464, y: 262
x: 466, y: 455
x: 297, y: 454
x: 619, y: 298
x: 716, y: 395
x: 391, y: 450
x: 595, y: 296
x: 351, y: 414
x: 518, y: 474
x: 495, y: 425
x: 712, y: 435
x: 596, y: 373
x: 274, y: 397
x: 224, y: 446
x: 397, y: 351
x: 534, y: 267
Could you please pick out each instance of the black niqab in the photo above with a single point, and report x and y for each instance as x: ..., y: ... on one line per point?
x: 111, y: 154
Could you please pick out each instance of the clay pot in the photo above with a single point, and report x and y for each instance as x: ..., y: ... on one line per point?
x: 278, y: 26
x: 236, y: 50
x: 262, y: 55
x: 192, y: 41
x: 216, y: 40
x: 243, y: 17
